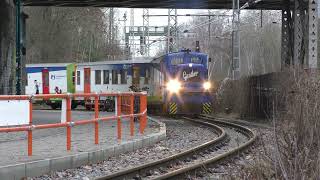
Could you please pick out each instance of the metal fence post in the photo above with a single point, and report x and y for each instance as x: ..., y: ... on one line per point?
x: 68, y: 120
x: 96, y: 123
x: 145, y: 111
x: 131, y: 112
x: 30, y: 130
x: 143, y: 108
x: 119, y: 114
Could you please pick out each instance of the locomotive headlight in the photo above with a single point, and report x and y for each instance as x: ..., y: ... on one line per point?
x: 207, y: 85
x: 174, y: 86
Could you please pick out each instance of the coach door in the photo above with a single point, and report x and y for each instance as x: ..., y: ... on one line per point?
x: 136, y: 76
x: 45, y: 81
x: 87, y: 79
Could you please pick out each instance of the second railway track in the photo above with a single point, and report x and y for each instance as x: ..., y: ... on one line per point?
x: 232, y: 139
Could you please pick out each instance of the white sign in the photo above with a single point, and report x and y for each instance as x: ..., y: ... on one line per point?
x: 64, y: 111
x: 187, y: 76
x: 14, y: 112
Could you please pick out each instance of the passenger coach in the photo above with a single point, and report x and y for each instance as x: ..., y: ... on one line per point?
x: 113, y: 76
x: 116, y: 76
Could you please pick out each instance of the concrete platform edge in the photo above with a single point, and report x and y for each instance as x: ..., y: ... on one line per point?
x: 38, y: 168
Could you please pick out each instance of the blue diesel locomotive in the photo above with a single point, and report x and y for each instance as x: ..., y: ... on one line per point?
x: 187, y: 89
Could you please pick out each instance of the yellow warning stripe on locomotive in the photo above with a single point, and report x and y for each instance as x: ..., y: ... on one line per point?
x: 206, y: 108
x: 173, y: 108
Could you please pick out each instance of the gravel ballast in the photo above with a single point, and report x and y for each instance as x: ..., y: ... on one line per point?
x: 180, y: 137
x: 238, y: 166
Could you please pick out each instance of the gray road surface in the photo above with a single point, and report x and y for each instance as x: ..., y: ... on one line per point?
x: 48, y: 143
x: 54, y: 116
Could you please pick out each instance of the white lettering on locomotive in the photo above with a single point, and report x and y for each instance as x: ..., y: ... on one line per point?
x: 187, y: 76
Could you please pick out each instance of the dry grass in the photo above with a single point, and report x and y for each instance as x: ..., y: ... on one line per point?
x: 293, y: 151
x: 230, y: 95
x: 296, y: 131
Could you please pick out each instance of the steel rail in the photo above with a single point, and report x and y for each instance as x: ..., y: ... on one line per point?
x: 143, y: 169
x: 195, y: 166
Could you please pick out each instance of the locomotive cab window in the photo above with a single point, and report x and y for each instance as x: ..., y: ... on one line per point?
x: 176, y: 60
x: 98, y: 76
x: 195, y: 60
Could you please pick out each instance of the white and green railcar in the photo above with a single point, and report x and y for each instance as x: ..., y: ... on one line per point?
x: 51, y: 78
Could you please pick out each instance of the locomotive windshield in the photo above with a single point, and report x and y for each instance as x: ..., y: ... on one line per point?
x: 184, y: 59
x: 195, y: 60
x: 177, y: 60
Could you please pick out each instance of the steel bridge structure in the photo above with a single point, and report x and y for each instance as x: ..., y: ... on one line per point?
x: 167, y: 4
x: 299, y: 23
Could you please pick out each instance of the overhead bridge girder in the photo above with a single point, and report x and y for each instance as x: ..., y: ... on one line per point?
x: 300, y: 34
x: 168, y: 4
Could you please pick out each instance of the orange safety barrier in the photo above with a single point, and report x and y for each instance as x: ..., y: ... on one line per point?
x: 126, y: 104
x: 143, y: 118
x: 128, y: 110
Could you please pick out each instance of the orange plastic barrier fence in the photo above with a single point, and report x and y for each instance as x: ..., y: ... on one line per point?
x: 124, y: 109
x: 126, y: 104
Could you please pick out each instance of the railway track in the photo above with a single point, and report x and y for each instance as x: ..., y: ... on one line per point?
x: 194, y: 160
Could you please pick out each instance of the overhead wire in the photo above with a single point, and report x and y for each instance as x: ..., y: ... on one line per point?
x: 206, y: 22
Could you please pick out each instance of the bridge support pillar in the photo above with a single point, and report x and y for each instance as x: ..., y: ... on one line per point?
x: 298, y: 21
x: 236, y: 55
x: 286, y: 57
x: 313, y: 34
x: 300, y: 34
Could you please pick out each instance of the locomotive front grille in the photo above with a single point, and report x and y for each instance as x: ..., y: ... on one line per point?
x: 173, y: 108
x: 190, y: 108
x: 206, y: 108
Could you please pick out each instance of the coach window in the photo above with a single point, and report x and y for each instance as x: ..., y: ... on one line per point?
x: 114, y: 77
x: 105, y: 76
x: 147, y: 77
x: 98, y: 76
x: 73, y: 77
x: 26, y: 75
x: 124, y: 74
x: 78, y: 77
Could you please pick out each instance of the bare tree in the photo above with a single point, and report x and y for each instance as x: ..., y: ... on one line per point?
x: 260, y: 45
x: 69, y: 35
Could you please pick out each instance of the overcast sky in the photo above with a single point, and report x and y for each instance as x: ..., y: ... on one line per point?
x: 160, y: 21
x: 156, y: 21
